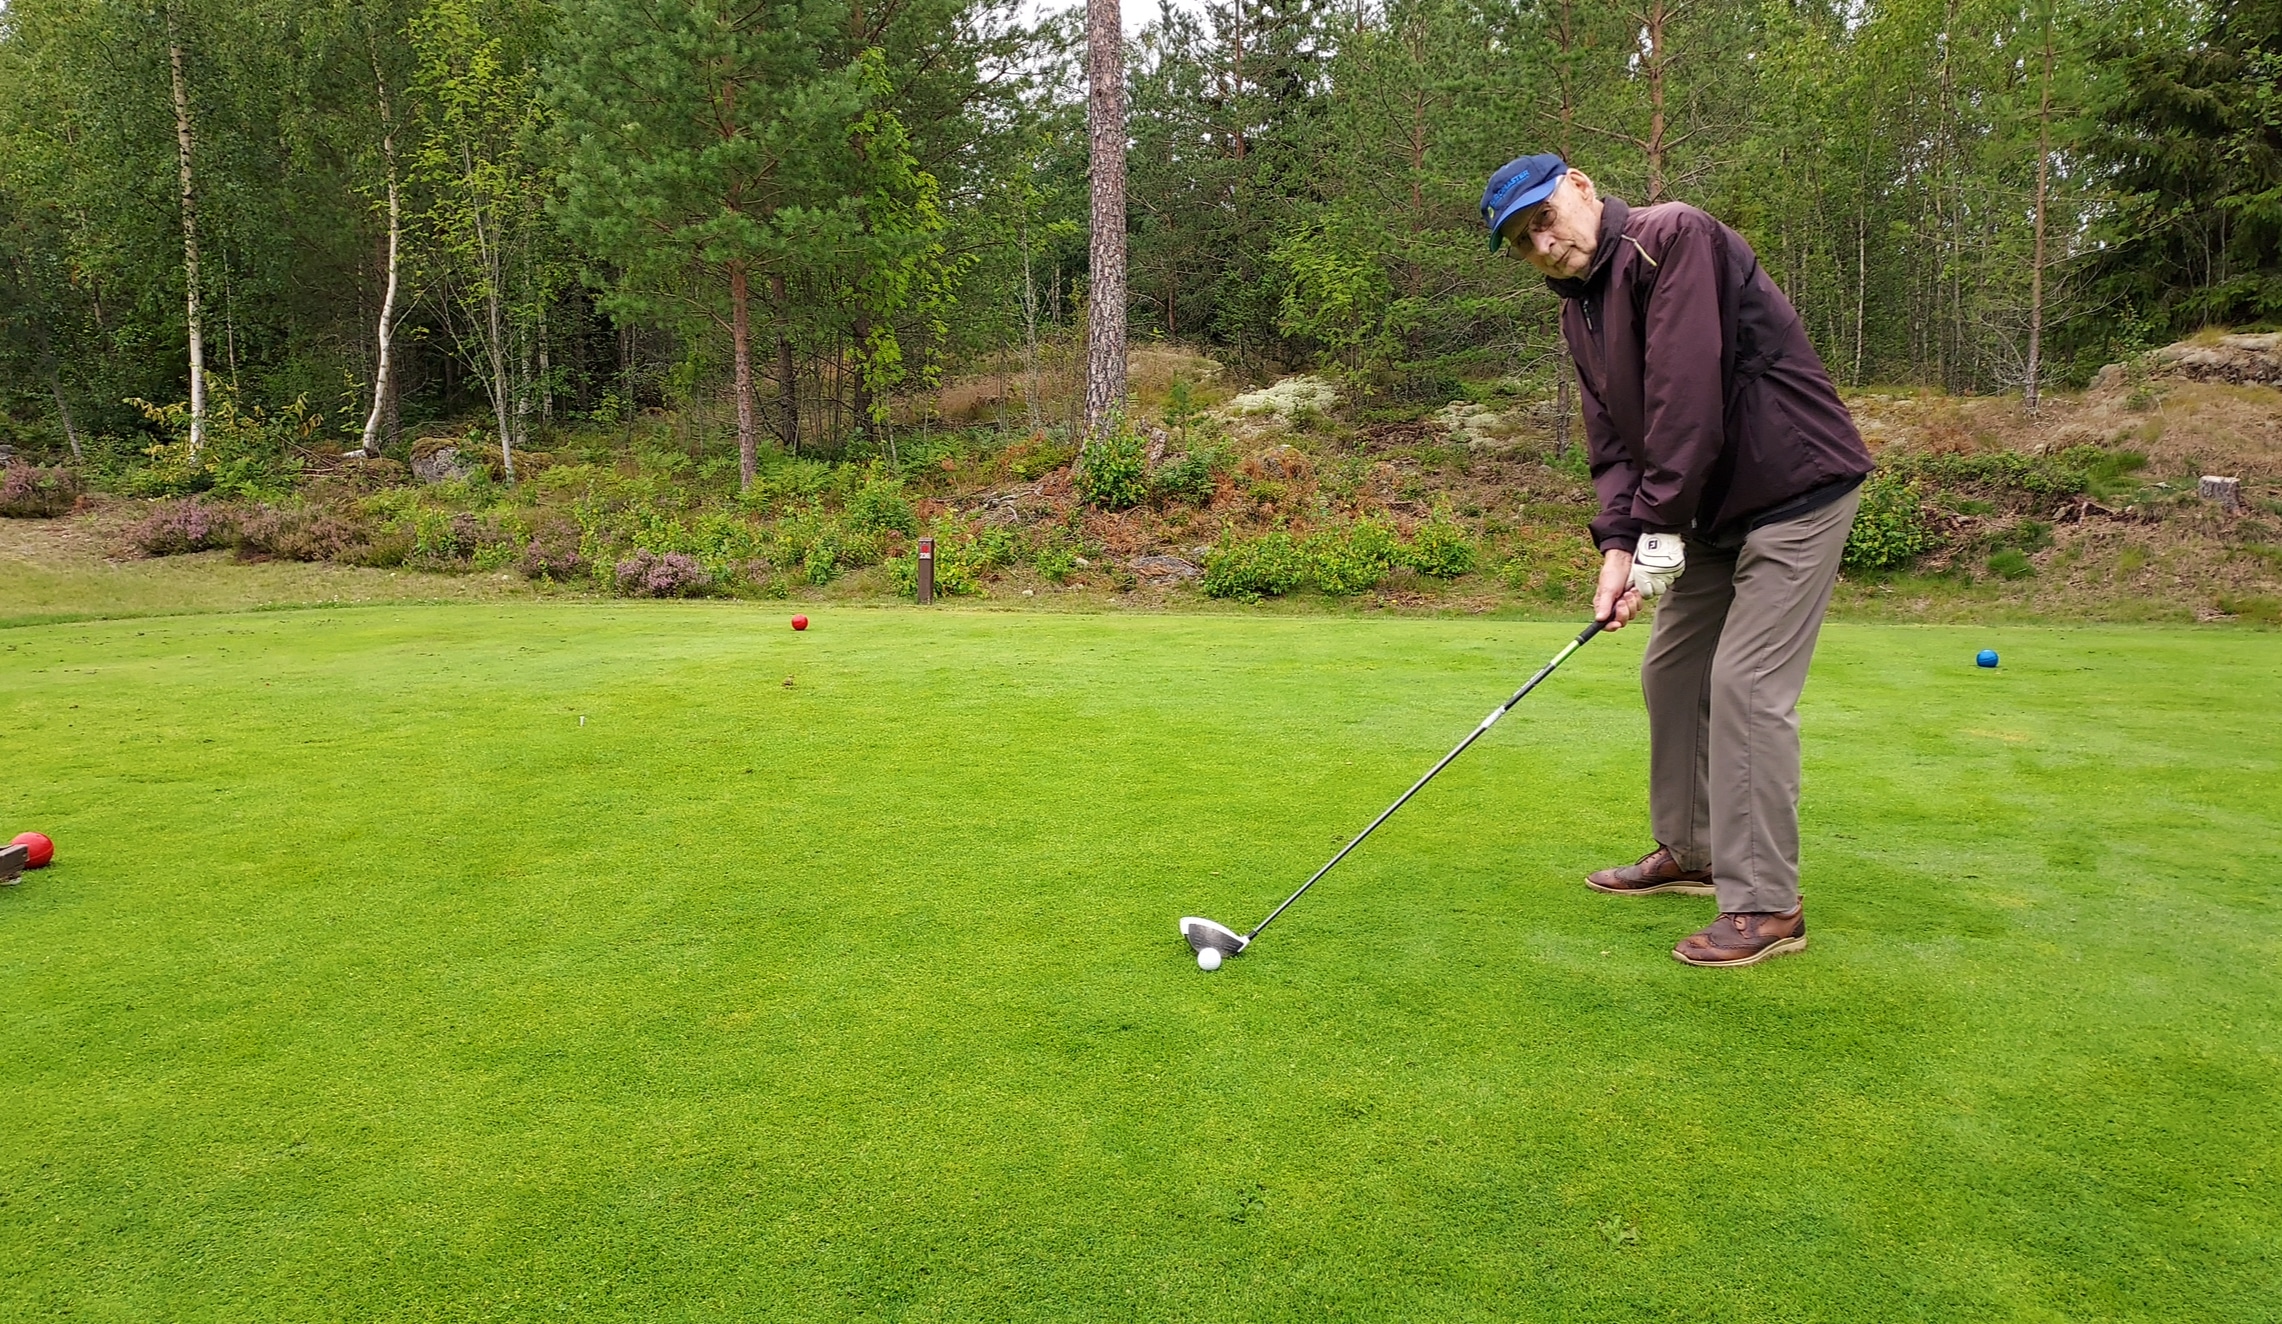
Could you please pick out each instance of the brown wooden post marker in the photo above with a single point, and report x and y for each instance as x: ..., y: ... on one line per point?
x: 926, y: 571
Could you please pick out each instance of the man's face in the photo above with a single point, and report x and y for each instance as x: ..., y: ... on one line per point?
x: 1558, y: 235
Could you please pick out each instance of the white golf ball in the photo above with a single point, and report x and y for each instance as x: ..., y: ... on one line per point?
x: 1208, y: 959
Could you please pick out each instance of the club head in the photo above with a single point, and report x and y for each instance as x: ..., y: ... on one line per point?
x: 1202, y: 933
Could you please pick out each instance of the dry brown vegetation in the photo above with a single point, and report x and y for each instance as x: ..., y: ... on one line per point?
x: 2138, y: 544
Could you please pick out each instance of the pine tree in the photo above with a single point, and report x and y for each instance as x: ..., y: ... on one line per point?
x: 710, y: 146
x: 1105, y: 296
x: 2192, y: 133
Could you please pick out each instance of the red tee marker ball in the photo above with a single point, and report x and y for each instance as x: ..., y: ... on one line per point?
x: 800, y: 622
x: 39, y: 851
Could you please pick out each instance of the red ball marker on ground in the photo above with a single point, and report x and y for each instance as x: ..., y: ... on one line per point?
x: 800, y: 622
x: 41, y: 850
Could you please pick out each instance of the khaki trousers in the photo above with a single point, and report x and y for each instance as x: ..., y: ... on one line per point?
x: 1727, y: 659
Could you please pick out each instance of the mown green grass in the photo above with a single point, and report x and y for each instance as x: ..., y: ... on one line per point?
x: 373, y: 985
x: 38, y: 586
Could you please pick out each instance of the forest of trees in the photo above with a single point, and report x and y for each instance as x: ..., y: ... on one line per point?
x: 780, y: 215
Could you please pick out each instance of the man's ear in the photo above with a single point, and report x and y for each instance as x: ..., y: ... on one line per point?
x: 1584, y: 184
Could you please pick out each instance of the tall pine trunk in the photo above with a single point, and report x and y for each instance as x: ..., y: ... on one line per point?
x: 183, y: 143
x: 382, y: 384
x: 741, y: 373
x: 1653, y: 25
x: 1105, y: 304
x: 2029, y: 395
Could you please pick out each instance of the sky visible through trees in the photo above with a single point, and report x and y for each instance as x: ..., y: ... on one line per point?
x: 782, y: 219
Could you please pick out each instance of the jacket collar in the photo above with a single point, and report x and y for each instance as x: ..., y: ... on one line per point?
x: 1613, y: 216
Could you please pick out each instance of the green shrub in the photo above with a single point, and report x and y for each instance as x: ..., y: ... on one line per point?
x: 1190, y: 478
x: 879, y: 507
x: 822, y: 545
x: 1890, y: 529
x: 1250, y: 569
x: 786, y: 480
x: 1056, y: 563
x: 248, y: 455
x: 1340, y: 567
x: 821, y: 562
x: 1355, y: 558
x: 997, y: 547
x: 1440, y: 548
x: 955, y: 571
x: 1113, y: 473
x: 721, y: 540
x: 1042, y: 456
x: 1181, y: 407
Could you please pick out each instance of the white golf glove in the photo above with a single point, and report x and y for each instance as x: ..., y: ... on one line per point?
x: 1659, y: 560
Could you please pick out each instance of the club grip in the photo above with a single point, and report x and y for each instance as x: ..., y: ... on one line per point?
x: 1585, y: 635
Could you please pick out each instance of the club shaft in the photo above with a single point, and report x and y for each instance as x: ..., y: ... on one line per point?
x: 1471, y: 736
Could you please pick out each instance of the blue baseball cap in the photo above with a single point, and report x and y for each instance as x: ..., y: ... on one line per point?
x: 1519, y: 184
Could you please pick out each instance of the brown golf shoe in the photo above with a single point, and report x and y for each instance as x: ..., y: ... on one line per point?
x: 1655, y: 872
x: 1736, y: 939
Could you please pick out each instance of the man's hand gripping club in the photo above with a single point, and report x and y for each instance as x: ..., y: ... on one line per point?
x: 1629, y: 578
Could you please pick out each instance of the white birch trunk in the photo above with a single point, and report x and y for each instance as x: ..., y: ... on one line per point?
x: 387, y: 328
x: 182, y: 136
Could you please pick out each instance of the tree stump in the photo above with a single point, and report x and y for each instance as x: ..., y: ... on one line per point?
x: 2227, y: 492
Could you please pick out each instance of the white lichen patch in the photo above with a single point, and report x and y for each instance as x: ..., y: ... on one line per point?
x: 1284, y: 399
x: 1475, y: 424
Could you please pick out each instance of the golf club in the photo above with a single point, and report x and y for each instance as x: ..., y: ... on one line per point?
x: 1203, y: 933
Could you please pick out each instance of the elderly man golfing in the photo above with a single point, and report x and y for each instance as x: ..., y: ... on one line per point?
x: 1727, y: 471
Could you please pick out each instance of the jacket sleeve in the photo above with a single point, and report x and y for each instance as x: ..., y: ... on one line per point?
x: 1616, y: 479
x: 1685, y: 408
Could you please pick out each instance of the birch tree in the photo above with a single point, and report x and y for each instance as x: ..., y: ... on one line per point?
x: 477, y: 85
x: 384, y: 335
x: 185, y: 140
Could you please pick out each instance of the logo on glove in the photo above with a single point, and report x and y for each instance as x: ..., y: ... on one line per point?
x: 1657, y: 562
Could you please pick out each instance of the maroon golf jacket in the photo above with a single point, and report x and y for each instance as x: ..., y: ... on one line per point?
x: 1706, y: 407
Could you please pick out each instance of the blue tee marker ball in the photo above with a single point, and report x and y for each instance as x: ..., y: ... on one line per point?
x: 1987, y: 657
